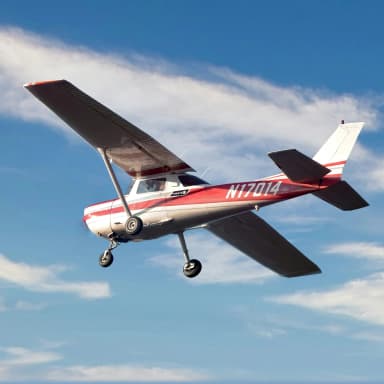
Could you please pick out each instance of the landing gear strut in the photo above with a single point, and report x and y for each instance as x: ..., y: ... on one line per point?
x: 191, y: 267
x: 106, y: 258
x: 133, y: 224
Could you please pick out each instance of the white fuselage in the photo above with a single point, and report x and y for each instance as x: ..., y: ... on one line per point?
x: 176, y: 206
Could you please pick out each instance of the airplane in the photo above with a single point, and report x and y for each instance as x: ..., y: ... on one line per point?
x: 166, y: 198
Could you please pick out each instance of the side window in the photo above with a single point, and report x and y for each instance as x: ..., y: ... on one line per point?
x: 151, y: 185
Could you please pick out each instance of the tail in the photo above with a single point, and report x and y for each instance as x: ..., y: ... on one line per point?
x: 329, y: 161
x: 336, y: 150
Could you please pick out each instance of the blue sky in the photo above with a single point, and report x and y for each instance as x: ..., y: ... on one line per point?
x: 220, y: 83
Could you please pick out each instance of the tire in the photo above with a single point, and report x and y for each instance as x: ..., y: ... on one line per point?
x: 106, y: 259
x: 133, y: 225
x: 192, y: 268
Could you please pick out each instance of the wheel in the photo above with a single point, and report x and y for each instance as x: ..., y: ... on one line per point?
x: 192, y: 268
x: 106, y: 259
x: 133, y: 225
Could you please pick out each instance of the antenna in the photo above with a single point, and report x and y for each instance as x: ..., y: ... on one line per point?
x: 205, y: 171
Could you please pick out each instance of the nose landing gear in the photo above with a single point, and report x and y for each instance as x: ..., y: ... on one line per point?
x: 106, y: 258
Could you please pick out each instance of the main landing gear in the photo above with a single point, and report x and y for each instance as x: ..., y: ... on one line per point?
x: 191, y: 267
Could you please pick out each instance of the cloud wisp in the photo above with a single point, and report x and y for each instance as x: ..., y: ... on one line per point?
x: 360, y: 250
x: 19, y: 356
x: 360, y: 299
x: 22, y: 364
x: 123, y: 373
x: 46, y: 279
x: 226, y: 118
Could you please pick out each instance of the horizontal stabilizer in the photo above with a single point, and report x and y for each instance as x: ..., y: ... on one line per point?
x: 253, y: 236
x: 298, y: 167
x: 342, y: 196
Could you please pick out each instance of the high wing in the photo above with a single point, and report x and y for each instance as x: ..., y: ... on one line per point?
x: 257, y: 239
x: 129, y: 147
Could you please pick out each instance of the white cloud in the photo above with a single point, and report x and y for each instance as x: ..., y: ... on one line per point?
x: 123, y: 373
x: 20, y: 363
x: 24, y: 356
x: 225, y: 120
x: 360, y: 299
x: 302, y: 219
x: 271, y: 326
x: 222, y: 264
x: 360, y: 250
x: 369, y: 336
x: 46, y: 279
x: 22, y: 305
x: 23, y: 364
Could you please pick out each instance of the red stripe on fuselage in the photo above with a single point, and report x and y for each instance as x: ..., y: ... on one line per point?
x: 218, y: 194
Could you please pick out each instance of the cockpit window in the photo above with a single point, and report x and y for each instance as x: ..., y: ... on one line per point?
x: 130, y: 186
x: 151, y: 185
x: 189, y: 180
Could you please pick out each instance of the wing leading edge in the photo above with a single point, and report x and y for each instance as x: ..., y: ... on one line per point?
x: 257, y: 239
x: 129, y: 147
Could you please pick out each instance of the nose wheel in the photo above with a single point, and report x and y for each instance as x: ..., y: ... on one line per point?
x: 106, y: 258
x: 191, y: 267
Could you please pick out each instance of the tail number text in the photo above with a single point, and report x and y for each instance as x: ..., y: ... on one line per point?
x: 237, y: 191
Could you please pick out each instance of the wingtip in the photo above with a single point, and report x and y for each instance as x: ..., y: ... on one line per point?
x: 37, y: 83
x: 315, y: 270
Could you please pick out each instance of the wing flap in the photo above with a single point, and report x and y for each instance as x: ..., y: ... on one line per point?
x: 297, y: 166
x: 257, y: 239
x: 129, y: 147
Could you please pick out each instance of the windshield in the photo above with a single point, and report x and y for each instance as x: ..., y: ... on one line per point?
x: 189, y: 180
x: 131, y: 184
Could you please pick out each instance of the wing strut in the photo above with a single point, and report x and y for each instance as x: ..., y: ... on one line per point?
x: 114, y: 180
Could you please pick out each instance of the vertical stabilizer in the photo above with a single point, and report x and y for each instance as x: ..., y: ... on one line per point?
x: 338, y: 147
x: 333, y: 155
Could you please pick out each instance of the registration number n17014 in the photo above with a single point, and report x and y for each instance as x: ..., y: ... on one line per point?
x: 261, y: 188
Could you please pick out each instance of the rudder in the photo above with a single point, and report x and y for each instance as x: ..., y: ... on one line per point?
x: 338, y: 147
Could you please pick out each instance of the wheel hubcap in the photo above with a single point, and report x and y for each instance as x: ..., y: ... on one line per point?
x: 189, y: 267
x: 132, y: 225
